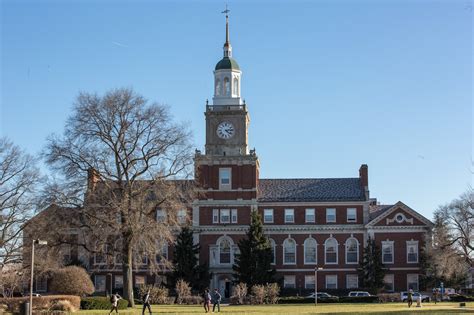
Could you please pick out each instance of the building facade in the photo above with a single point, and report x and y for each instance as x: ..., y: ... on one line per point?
x: 312, y: 223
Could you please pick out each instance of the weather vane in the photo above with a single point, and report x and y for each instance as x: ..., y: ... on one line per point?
x: 226, y: 10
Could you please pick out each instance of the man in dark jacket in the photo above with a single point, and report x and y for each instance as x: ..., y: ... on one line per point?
x: 146, y: 302
x: 216, y: 299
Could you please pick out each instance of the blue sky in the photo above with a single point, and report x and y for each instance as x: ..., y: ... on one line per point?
x: 329, y: 84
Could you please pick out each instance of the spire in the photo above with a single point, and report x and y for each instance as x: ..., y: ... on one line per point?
x: 227, y: 46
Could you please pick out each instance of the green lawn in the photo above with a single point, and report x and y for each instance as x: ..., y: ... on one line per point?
x: 289, y: 309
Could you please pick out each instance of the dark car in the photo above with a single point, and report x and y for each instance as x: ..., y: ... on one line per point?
x: 323, y: 296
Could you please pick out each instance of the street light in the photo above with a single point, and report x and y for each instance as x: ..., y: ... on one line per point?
x: 38, y: 242
x: 316, y: 284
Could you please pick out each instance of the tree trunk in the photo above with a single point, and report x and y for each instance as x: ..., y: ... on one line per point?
x: 127, y: 272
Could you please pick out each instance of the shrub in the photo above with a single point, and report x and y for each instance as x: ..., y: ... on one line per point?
x: 183, y: 291
x: 63, y: 305
x: 258, y: 294
x: 158, y: 295
x: 193, y: 300
x: 71, y: 280
x: 40, y: 303
x: 240, y: 292
x: 272, y: 292
x: 461, y: 298
x: 101, y: 303
x: 389, y: 297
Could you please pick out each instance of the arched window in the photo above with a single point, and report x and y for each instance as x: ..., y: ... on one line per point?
x: 310, y: 251
x: 273, y: 246
x: 330, y: 251
x: 289, y: 252
x: 227, y: 86
x: 218, y: 87
x: 352, y: 251
x: 236, y: 86
x: 224, y: 251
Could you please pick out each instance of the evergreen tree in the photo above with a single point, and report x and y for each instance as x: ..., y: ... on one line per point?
x: 185, y: 262
x: 371, y: 270
x: 253, y: 264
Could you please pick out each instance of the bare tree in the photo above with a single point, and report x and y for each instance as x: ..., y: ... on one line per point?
x: 131, y: 155
x: 458, y: 219
x: 19, y: 179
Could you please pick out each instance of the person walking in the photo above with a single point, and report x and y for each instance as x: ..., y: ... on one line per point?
x: 435, y: 295
x: 146, y: 302
x: 216, y: 301
x: 410, y: 297
x: 207, y: 300
x: 114, y: 298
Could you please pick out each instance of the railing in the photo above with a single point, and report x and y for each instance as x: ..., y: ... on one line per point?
x: 218, y: 108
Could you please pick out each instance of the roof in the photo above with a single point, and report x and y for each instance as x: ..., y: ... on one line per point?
x: 227, y: 63
x: 378, y: 210
x: 310, y: 189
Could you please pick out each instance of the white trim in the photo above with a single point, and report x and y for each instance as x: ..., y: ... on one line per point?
x: 345, y: 247
x: 215, y: 216
x: 289, y: 276
x: 221, y: 216
x: 404, y: 207
x: 306, y: 215
x: 313, y: 283
x: 326, y: 281
x: 347, y: 215
x: 273, y: 218
x: 411, y: 243
x: 305, y: 244
x: 352, y: 275
x: 312, y: 204
x: 325, y: 251
x: 225, y: 186
x: 388, y: 243
x: 335, y: 215
x: 284, y: 257
x: 233, y: 215
x: 292, y: 214
x: 312, y: 270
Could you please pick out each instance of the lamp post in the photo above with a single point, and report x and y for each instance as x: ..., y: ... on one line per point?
x: 316, y: 284
x: 39, y: 242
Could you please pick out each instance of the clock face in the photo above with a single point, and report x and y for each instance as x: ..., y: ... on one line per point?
x: 225, y: 130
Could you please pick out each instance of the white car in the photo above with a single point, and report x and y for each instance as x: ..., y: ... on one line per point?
x: 359, y: 293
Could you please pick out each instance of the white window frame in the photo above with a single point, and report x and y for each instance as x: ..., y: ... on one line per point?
x: 291, y: 212
x: 115, y: 281
x: 231, y: 256
x: 409, y: 244
x: 222, y: 216
x: 309, y: 282
x: 222, y: 171
x: 327, y: 215
x: 354, y: 210
x: 306, y: 215
x: 95, y: 282
x: 357, y: 253
x: 352, y: 276
x: 215, y: 215
x: 325, y: 252
x: 233, y: 215
x: 265, y: 216
x: 330, y: 277
x: 388, y: 244
x: 305, y: 246
x: 392, y: 282
x: 284, y: 256
x: 181, y: 216
x: 417, y: 281
x: 292, y: 282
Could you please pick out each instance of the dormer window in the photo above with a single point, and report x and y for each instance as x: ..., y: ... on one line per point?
x: 224, y: 178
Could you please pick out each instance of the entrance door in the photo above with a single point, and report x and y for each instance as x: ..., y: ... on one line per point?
x: 225, y: 288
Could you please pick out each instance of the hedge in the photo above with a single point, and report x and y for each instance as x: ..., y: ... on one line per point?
x: 359, y: 299
x: 302, y: 300
x: 39, y: 303
x: 101, y: 303
x: 461, y: 298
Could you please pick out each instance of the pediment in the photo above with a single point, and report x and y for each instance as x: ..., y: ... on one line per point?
x: 400, y: 215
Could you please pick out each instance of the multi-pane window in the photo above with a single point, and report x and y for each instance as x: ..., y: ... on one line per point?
x: 289, y: 215
x: 351, y: 214
x: 289, y: 282
x: 310, y: 251
x: 215, y: 215
x: 100, y: 256
x: 309, y: 282
x: 225, y: 216
x: 139, y: 281
x: 310, y: 216
x: 160, y: 215
x: 99, y: 283
x: 162, y: 254
x: 224, y: 178
x: 387, y: 252
x: 41, y: 284
x: 181, y: 216
x: 412, y: 282
x: 331, y: 281
x: 330, y: 251
x: 268, y: 216
x: 352, y: 281
x: 352, y: 251
x: 412, y: 251
x: 224, y: 251
x: 273, y: 245
x: 118, y: 282
x: 234, y: 215
x: 330, y: 215
x: 289, y: 251
x: 388, y: 281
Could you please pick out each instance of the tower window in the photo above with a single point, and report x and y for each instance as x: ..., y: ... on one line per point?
x: 218, y: 87
x: 227, y: 86
x: 236, y: 87
x: 224, y: 178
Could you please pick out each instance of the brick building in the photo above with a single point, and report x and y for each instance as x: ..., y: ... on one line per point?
x: 311, y: 222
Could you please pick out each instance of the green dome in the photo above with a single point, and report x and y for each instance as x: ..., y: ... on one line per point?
x: 227, y: 63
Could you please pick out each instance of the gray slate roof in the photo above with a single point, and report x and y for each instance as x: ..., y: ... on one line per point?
x: 378, y: 210
x: 310, y: 189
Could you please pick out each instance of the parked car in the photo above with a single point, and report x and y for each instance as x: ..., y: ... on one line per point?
x: 359, y: 293
x: 424, y: 298
x: 323, y: 296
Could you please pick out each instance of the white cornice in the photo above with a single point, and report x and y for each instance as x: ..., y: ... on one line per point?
x: 314, y: 203
x: 282, y: 229
x: 400, y: 205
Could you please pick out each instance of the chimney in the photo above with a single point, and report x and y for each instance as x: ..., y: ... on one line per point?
x: 93, y: 177
x: 364, y: 179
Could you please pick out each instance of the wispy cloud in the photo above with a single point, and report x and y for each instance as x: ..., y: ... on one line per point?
x: 119, y: 44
